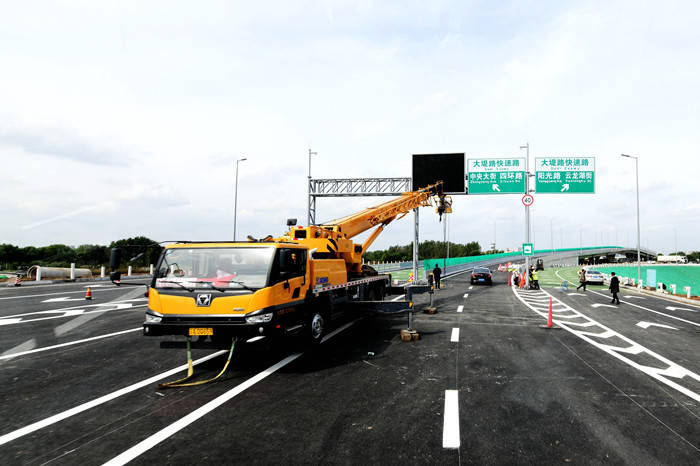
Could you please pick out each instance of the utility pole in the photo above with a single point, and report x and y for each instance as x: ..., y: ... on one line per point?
x: 551, y: 233
x: 527, y: 208
x: 308, y: 192
x: 235, y: 199
x: 494, y: 237
x: 639, y: 255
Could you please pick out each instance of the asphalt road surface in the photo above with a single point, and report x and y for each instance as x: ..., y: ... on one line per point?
x: 485, y: 384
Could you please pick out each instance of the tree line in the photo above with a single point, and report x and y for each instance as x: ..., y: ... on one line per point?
x: 90, y: 256
x: 426, y: 250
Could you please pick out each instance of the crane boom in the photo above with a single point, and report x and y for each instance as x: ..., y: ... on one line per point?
x: 357, y: 223
x: 334, y: 239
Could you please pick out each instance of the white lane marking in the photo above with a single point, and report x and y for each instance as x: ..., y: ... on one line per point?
x: 450, y: 427
x: 74, y: 323
x: 460, y: 308
x: 62, y: 300
x: 667, y: 367
x: 175, y: 427
x: 651, y: 324
x: 337, y: 331
x: 466, y: 295
x: 21, y: 348
x: 202, y: 411
x: 673, y: 308
x: 655, y: 312
x: 455, y: 335
x: 10, y: 321
x: 53, y: 294
x: 471, y: 287
x: 8, y: 355
x: 254, y: 339
x: 575, y: 294
x: 635, y: 297
x: 398, y: 297
x: 596, y: 305
x: 98, y: 401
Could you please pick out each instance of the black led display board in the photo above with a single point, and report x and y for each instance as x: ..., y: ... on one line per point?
x: 448, y: 168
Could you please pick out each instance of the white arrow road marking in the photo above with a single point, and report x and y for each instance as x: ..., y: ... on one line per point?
x: 576, y: 294
x: 603, y: 305
x: 61, y: 300
x: 651, y: 324
x: 71, y: 311
x: 672, y: 308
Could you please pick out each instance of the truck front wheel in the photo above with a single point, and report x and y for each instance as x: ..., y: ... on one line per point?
x: 317, y: 327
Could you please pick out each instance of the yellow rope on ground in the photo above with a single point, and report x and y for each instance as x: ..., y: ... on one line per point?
x: 190, y: 371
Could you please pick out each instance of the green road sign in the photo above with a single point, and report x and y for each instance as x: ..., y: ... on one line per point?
x: 528, y: 250
x: 496, y: 176
x: 565, y: 175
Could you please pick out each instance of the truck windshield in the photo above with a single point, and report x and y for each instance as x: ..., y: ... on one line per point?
x: 222, y: 268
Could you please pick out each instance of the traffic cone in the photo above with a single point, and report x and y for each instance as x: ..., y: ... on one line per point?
x: 88, y: 293
x: 18, y: 282
x: 550, y: 325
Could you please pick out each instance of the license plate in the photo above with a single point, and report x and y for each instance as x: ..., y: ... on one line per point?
x: 481, y: 279
x: 201, y: 331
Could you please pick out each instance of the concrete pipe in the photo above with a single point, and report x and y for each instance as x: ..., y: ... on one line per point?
x: 38, y: 272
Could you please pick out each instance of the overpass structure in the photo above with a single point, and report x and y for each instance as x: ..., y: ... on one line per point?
x: 550, y: 258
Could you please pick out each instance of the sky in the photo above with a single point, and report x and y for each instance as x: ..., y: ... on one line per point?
x: 126, y: 118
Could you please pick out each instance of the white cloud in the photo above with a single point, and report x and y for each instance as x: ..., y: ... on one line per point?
x: 142, y: 109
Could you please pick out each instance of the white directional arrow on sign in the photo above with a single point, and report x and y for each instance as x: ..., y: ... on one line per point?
x: 651, y: 324
x: 565, y: 187
x: 496, y: 188
x: 672, y: 308
x: 603, y: 305
x: 61, y: 300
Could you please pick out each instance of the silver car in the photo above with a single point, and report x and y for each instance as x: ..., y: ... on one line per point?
x: 594, y: 277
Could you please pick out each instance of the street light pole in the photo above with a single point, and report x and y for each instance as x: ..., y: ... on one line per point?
x: 527, y: 208
x: 235, y: 199
x: 639, y: 255
x: 308, y: 191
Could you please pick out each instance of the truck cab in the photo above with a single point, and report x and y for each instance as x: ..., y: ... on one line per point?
x: 227, y: 289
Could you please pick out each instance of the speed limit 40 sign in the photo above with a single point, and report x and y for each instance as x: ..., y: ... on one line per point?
x: 528, y: 200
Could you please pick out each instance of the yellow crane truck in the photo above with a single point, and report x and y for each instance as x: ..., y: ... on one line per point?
x: 217, y: 292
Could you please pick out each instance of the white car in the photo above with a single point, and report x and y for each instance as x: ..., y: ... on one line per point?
x: 594, y: 277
